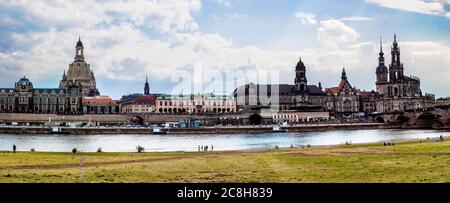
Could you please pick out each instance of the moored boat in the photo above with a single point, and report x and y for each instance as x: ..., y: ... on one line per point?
x: 160, y: 131
x: 278, y: 129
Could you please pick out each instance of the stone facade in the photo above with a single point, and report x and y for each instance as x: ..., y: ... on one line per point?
x: 299, y: 117
x: 344, y: 98
x: 282, y: 97
x: 398, y: 93
x: 142, y: 104
x: 201, y: 103
x: 24, y: 98
x: 80, y: 72
x: 100, y: 105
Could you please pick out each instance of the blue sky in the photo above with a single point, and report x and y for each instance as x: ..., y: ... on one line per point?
x: 124, y: 41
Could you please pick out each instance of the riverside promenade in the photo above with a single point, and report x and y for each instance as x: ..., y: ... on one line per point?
x: 201, y: 130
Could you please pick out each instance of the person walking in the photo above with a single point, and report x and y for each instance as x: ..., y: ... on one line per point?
x: 14, y: 148
x: 212, y: 148
x: 74, y: 151
x: 206, y: 148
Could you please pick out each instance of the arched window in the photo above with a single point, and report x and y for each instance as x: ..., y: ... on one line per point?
x: 302, y: 87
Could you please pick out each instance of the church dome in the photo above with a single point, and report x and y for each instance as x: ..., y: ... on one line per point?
x: 24, y: 82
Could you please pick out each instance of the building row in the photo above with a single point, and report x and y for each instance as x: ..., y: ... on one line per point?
x: 78, y: 94
x: 395, y: 92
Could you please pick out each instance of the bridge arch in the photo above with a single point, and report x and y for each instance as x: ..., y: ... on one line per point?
x: 255, y: 119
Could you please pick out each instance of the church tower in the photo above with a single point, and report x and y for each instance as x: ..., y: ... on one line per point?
x: 396, y: 67
x: 382, y: 71
x: 80, y: 73
x: 300, y: 77
x: 147, y: 87
x: 79, y: 54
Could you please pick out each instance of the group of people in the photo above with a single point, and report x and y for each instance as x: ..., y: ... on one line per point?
x: 204, y: 148
x: 389, y: 144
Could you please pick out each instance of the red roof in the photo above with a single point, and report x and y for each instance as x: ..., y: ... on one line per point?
x: 99, y: 100
x: 332, y: 90
x: 336, y: 90
x: 144, y: 100
x: 368, y: 94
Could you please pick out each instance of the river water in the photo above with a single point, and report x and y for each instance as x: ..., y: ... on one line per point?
x: 220, y: 142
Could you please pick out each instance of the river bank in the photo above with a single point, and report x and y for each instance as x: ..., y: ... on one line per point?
x: 409, y: 161
x: 197, y: 131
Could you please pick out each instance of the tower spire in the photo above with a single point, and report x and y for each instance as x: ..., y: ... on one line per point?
x: 381, y: 44
x: 395, y: 40
x: 146, y: 86
x: 344, y: 74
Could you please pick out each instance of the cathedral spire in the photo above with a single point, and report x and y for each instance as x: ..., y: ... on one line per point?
x: 381, y: 54
x: 146, y: 87
x: 344, y: 74
x: 64, y: 77
x: 381, y: 45
x: 395, y: 40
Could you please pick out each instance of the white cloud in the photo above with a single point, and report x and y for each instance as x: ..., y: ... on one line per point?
x: 223, y: 2
x: 123, y: 52
x: 431, y: 7
x: 164, y: 16
x: 332, y: 33
x: 305, y: 18
x: 357, y: 18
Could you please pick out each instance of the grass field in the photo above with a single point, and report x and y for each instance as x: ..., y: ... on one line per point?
x: 414, y: 161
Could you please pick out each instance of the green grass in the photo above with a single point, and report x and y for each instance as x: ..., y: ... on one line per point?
x: 406, y: 162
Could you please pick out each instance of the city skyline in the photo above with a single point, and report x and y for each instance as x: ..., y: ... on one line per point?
x: 124, y: 45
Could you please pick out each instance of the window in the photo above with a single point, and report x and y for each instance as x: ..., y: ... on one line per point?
x: 61, y: 100
x: 74, y: 92
x: 53, y: 100
x: 23, y: 100
x: 36, y: 100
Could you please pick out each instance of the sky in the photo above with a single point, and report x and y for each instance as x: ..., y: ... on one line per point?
x: 193, y: 46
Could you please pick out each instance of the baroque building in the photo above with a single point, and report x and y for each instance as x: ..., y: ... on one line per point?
x: 343, y: 99
x: 80, y: 72
x: 398, y: 92
x: 24, y: 98
x: 282, y: 97
x: 195, y: 104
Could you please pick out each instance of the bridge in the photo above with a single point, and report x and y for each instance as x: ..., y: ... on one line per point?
x: 432, y: 118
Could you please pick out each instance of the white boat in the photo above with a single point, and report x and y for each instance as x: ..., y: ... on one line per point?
x: 278, y: 129
x: 160, y: 131
x: 57, y: 130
